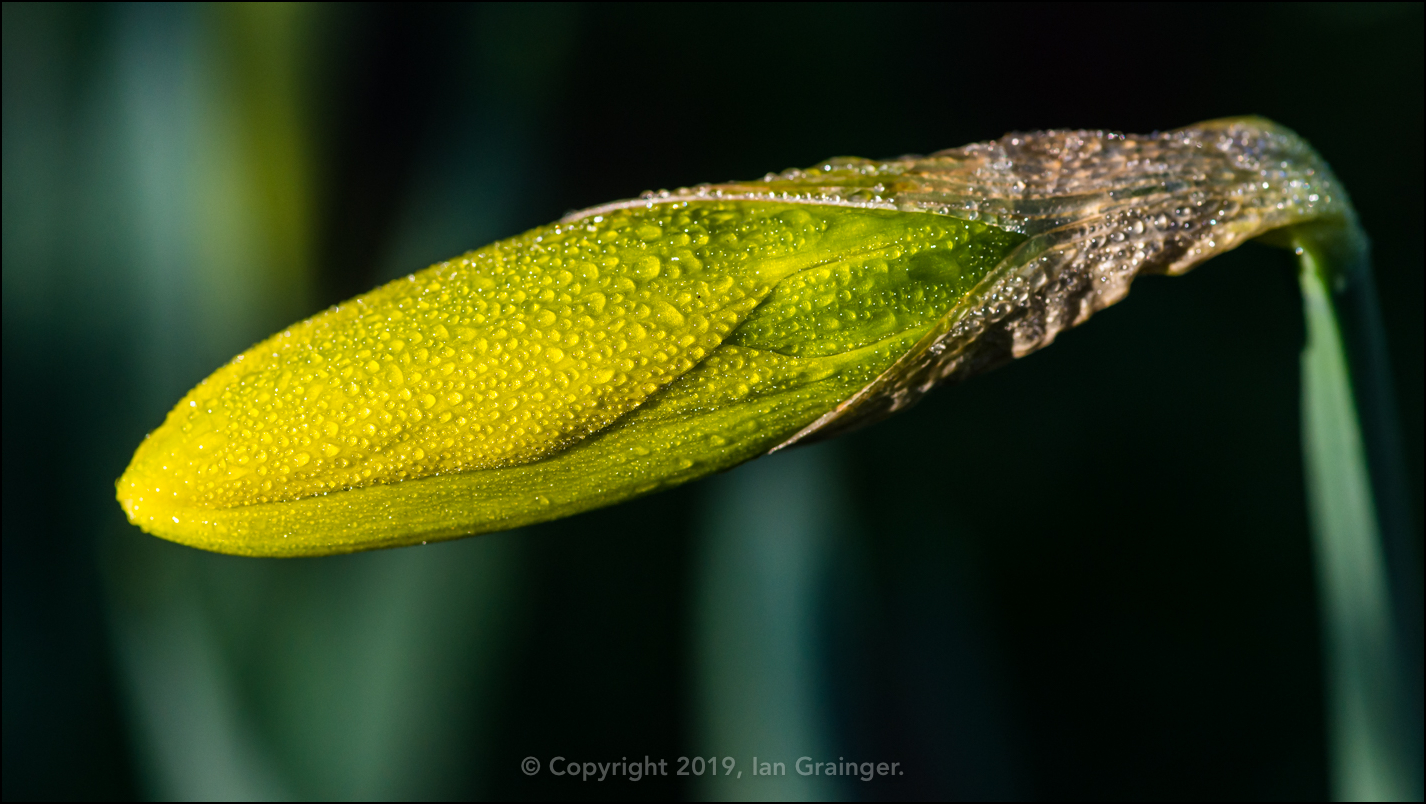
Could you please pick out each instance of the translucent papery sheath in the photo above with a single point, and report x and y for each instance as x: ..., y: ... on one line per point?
x: 645, y: 343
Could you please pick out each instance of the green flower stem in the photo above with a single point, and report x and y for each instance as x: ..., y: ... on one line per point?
x: 1374, y: 715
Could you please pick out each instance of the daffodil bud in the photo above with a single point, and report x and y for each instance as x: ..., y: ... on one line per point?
x: 642, y: 344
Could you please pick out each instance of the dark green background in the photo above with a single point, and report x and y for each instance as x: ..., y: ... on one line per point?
x: 1084, y: 575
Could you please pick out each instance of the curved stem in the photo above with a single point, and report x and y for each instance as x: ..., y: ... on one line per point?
x: 1367, y: 580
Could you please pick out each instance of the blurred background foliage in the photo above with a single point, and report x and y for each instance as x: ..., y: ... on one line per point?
x: 1097, y: 583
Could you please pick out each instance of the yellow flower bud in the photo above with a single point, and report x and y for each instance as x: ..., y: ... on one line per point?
x: 643, y: 344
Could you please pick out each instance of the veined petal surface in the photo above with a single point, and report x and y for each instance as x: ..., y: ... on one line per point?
x: 519, y: 354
